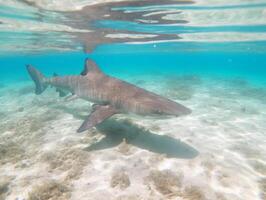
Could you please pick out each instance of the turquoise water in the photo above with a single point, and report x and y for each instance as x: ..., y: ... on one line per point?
x: 231, y: 65
x: 206, y: 55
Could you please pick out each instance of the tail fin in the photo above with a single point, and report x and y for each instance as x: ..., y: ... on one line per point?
x: 38, y: 79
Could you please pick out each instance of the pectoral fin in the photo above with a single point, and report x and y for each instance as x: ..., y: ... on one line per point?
x: 61, y: 92
x: 97, y: 116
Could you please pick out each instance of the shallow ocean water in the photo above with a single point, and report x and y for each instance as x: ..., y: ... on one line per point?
x: 207, y: 55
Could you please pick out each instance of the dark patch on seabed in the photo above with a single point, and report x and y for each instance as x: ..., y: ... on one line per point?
x: 123, y: 130
x: 26, y: 90
x: 2, y: 85
x: 2, y: 115
x: 263, y: 188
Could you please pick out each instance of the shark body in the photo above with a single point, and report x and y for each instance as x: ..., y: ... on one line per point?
x: 110, y: 95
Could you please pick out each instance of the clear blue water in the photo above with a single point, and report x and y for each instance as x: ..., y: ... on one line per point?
x: 245, y: 65
x: 217, y: 69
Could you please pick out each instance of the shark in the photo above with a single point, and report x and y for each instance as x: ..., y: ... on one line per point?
x: 109, y: 95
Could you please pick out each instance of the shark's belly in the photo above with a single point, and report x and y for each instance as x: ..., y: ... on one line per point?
x: 139, y: 102
x: 141, y: 108
x: 148, y: 103
x: 93, y: 96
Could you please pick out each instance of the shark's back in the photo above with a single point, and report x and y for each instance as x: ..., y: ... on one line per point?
x: 125, y: 96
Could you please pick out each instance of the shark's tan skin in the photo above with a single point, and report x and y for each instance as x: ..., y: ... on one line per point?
x: 110, y: 95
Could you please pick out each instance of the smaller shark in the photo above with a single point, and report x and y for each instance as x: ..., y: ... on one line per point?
x: 110, y: 95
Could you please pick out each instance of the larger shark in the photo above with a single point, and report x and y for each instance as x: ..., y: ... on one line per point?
x: 110, y: 95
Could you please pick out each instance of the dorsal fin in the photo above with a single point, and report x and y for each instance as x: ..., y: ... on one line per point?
x: 90, y: 66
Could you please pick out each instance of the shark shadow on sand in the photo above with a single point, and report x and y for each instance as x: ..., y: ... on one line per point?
x: 116, y: 131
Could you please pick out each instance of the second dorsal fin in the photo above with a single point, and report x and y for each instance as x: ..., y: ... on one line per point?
x: 90, y: 67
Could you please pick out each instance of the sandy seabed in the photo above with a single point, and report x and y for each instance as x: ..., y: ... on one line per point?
x: 217, y: 152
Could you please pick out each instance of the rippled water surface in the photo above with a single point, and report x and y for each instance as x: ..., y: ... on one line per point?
x: 207, y: 55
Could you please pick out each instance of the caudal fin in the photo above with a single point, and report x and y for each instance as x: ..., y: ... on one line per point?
x: 38, y: 79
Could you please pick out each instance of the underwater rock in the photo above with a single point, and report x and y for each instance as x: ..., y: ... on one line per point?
x: 180, y: 92
x: 44, y: 102
x: 258, y: 93
x: 121, y: 179
x: 20, y: 109
x: 23, y: 164
x: 39, y: 121
x: 220, y: 196
x: 262, y: 184
x: 166, y: 181
x: 71, y: 161
x: 2, y: 85
x: 130, y: 197
x: 207, y: 162
x: 210, y: 122
x: 140, y: 82
x: 154, y: 127
x: 30, y: 123
x: 249, y: 110
x: 4, y: 184
x: 156, y: 159
x: 247, y: 150
x: 239, y: 82
x: 50, y: 190
x: 259, y: 166
x: 192, y: 79
x: 181, y: 87
x: 2, y: 115
x: 124, y: 147
x: 10, y: 152
x: 243, y: 109
x: 23, y: 126
x: 193, y: 193
x: 184, y: 79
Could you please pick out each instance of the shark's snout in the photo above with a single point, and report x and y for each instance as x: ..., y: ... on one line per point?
x: 176, y: 109
x: 186, y: 111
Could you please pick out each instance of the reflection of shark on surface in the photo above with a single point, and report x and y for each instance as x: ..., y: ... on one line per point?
x: 110, y: 95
